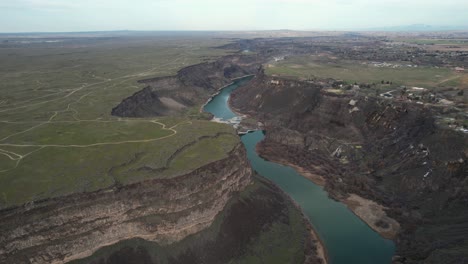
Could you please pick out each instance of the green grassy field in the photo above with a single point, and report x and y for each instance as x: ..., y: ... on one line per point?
x: 308, y: 67
x: 57, y: 135
x: 86, y: 82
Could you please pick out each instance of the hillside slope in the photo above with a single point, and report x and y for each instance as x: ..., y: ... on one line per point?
x: 386, y: 151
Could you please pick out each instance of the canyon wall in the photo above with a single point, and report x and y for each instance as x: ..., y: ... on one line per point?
x: 387, y: 151
x: 191, y: 86
x: 160, y: 210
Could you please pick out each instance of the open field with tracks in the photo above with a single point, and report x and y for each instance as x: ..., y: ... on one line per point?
x: 57, y: 135
x: 355, y: 71
x: 435, y: 44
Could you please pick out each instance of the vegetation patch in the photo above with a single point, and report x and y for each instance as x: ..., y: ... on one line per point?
x: 196, y: 154
x: 278, y: 235
x: 352, y: 72
x: 78, y: 134
x: 57, y: 135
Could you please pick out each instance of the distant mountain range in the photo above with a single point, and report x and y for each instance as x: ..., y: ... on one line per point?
x: 419, y: 27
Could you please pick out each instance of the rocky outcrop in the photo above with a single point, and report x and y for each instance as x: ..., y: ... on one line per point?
x: 141, y: 104
x: 387, y: 151
x: 190, y: 87
x: 262, y: 210
x: 233, y: 237
x: 159, y: 210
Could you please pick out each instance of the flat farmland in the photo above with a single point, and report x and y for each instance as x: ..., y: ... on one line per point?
x: 355, y: 71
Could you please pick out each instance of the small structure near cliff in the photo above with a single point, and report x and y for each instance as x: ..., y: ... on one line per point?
x: 352, y: 102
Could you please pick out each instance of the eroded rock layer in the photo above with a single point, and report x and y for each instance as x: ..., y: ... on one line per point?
x: 190, y: 87
x: 159, y: 210
x: 236, y: 236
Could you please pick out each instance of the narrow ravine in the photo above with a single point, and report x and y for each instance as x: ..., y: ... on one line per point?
x: 347, y: 239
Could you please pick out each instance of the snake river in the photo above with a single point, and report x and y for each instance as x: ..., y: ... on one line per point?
x: 347, y: 239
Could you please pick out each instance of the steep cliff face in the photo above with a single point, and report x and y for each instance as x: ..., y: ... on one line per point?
x: 191, y: 86
x: 160, y: 210
x: 387, y: 151
x: 236, y: 236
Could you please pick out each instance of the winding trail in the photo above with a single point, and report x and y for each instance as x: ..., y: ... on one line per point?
x: 75, y: 115
x: 449, y: 79
x: 70, y: 97
x: 18, y: 157
x: 146, y: 72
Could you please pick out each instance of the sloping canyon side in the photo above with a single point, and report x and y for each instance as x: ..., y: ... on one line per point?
x: 191, y: 86
x: 220, y: 200
x: 387, y: 160
x: 159, y: 210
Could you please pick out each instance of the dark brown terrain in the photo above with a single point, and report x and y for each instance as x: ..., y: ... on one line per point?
x: 387, y: 151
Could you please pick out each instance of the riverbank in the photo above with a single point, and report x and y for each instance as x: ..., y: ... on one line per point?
x: 315, y: 178
x: 314, y: 246
x: 320, y: 248
x: 372, y: 213
x: 346, y: 238
x: 233, y: 81
x: 315, y: 240
x: 366, y: 210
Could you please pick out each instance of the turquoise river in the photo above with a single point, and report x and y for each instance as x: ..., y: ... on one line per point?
x: 347, y: 239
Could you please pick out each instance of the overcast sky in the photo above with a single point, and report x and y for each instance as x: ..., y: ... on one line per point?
x: 95, y: 15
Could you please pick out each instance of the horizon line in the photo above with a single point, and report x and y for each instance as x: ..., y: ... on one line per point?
x: 383, y: 29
